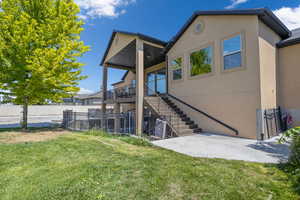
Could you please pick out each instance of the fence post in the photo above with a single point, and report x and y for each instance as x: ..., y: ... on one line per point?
x: 280, y: 119
x: 275, y: 118
x: 74, y: 120
x: 267, y: 124
x: 117, y: 117
x: 67, y: 114
x: 64, y: 122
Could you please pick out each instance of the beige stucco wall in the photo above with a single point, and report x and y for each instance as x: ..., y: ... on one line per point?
x: 130, y: 76
x: 289, y: 81
x: 268, y: 62
x: 232, y: 97
x: 120, y: 41
x: 125, y: 107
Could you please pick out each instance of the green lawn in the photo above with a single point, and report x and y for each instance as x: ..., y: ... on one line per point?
x: 81, y: 166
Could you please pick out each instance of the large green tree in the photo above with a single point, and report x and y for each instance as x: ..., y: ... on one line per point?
x: 39, y: 46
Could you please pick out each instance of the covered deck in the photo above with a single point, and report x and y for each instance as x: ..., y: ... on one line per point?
x: 137, y: 53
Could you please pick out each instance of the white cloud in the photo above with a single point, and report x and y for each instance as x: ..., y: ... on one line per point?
x: 235, y: 3
x: 85, y: 91
x: 289, y: 16
x: 102, y: 8
x: 83, y: 17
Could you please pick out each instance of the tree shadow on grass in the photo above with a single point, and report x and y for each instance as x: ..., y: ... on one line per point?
x: 293, y: 174
x: 281, y: 152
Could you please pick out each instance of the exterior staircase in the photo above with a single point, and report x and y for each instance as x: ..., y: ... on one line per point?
x: 181, y: 124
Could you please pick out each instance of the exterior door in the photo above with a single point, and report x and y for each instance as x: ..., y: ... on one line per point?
x: 156, y: 82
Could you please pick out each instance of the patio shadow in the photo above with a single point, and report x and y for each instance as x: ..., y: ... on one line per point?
x: 276, y: 150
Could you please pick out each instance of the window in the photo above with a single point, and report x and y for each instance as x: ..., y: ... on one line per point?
x: 176, y: 67
x: 232, y: 52
x: 201, y: 61
x: 156, y: 82
x: 133, y: 83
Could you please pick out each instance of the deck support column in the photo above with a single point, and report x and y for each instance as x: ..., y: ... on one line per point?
x: 117, y: 112
x: 139, y: 103
x: 104, y: 96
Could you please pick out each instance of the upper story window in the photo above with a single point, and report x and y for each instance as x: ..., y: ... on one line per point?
x: 232, y: 52
x: 133, y: 83
x: 176, y: 67
x: 201, y: 61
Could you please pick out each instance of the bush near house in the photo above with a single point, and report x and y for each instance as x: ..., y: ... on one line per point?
x: 293, y: 165
x: 293, y: 135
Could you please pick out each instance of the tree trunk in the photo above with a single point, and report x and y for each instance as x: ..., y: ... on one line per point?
x: 25, y: 114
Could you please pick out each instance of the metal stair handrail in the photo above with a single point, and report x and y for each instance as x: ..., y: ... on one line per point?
x: 169, y: 121
x: 205, y: 114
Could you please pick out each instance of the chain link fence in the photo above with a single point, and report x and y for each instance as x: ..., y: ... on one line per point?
x: 110, y: 122
x: 123, y: 123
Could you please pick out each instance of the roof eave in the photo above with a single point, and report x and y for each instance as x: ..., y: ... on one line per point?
x: 288, y: 43
x: 280, y: 29
x: 124, y: 76
x: 139, y: 35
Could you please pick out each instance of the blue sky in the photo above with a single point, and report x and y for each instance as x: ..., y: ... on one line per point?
x: 157, y: 18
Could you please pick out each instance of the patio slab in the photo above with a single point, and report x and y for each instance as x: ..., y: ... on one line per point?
x: 208, y: 145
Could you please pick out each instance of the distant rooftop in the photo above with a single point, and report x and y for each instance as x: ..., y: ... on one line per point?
x: 86, y: 96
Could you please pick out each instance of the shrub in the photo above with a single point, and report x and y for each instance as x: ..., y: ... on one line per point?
x: 293, y: 135
x: 293, y: 165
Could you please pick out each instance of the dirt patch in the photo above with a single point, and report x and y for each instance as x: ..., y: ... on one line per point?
x: 22, y: 137
x: 174, y: 192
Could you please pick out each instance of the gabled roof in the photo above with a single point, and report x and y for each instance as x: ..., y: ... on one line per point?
x: 122, y: 79
x: 124, y: 76
x: 139, y: 35
x: 294, y: 39
x: 264, y: 14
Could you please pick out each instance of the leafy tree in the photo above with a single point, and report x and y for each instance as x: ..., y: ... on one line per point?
x: 39, y: 44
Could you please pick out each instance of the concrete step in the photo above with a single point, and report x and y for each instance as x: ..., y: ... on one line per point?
x: 186, y: 132
x: 180, y: 121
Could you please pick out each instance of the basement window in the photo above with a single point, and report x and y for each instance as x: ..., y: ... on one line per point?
x: 176, y: 67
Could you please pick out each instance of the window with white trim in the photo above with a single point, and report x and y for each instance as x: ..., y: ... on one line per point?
x: 176, y: 68
x: 232, y: 52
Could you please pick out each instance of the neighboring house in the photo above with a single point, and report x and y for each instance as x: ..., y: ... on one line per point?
x: 125, y: 90
x: 85, y: 99
x: 220, y: 73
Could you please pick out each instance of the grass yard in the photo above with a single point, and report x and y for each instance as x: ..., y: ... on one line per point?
x: 95, y: 166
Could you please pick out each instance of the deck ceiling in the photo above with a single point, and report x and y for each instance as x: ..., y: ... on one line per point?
x: 126, y: 58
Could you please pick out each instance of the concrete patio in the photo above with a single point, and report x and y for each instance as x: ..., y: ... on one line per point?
x: 208, y: 145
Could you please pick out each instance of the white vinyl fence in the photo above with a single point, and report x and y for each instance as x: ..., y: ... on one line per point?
x: 44, y: 115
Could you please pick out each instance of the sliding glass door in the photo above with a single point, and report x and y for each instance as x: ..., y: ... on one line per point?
x: 156, y: 82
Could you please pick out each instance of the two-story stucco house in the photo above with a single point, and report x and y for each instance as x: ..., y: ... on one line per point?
x: 220, y: 73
